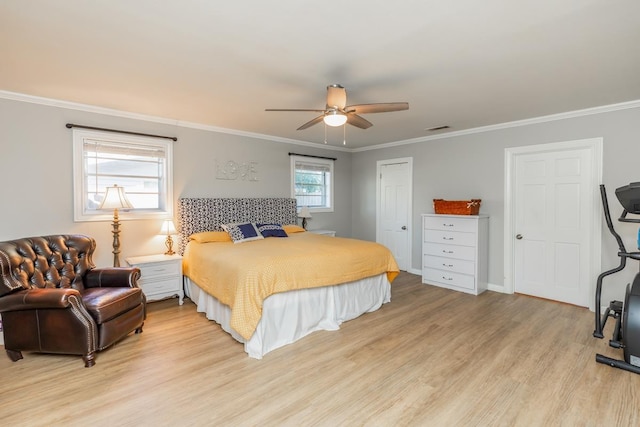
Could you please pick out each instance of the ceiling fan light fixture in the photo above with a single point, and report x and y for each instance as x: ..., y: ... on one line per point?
x: 335, y: 118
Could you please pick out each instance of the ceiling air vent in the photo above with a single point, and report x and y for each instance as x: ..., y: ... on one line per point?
x: 438, y: 128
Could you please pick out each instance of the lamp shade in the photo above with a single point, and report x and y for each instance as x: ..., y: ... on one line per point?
x: 335, y: 118
x: 115, y: 198
x: 304, y: 212
x: 168, y: 228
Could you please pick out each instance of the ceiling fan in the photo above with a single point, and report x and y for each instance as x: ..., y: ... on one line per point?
x: 337, y: 112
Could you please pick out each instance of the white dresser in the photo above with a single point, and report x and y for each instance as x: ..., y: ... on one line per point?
x: 161, y: 276
x: 454, y: 251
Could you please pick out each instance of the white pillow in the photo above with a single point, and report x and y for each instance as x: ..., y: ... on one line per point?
x: 242, y: 232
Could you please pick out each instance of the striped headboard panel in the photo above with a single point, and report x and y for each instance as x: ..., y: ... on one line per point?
x: 207, y: 214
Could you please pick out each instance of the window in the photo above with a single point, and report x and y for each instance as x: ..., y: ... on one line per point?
x: 312, y: 183
x: 142, y: 165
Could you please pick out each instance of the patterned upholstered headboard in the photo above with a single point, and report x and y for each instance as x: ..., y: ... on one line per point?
x: 207, y: 214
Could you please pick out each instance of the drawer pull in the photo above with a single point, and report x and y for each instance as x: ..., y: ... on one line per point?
x: 446, y: 252
x: 447, y: 265
x: 447, y: 278
x: 447, y: 238
x: 447, y: 225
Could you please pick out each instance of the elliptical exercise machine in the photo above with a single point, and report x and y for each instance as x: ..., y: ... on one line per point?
x: 626, y: 334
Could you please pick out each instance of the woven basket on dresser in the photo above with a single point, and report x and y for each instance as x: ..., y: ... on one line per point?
x: 457, y: 207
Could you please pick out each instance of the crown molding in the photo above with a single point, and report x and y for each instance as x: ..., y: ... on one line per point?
x: 507, y: 125
x: 125, y: 114
x: 14, y: 96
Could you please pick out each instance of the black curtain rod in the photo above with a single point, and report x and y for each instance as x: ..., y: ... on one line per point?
x: 71, y: 125
x: 315, y: 157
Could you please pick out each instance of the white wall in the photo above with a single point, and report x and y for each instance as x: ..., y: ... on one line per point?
x: 36, y: 166
x: 472, y: 166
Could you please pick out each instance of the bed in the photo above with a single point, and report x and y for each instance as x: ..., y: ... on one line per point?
x: 267, y: 293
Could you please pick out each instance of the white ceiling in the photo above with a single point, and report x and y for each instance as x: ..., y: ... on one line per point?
x: 462, y: 63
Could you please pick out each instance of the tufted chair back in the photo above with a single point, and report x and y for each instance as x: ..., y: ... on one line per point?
x: 54, y: 300
x: 58, y: 261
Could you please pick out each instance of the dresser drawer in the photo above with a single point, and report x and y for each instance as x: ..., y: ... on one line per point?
x: 151, y: 287
x: 160, y: 269
x: 450, y: 264
x: 450, y: 237
x: 450, y: 251
x: 450, y: 223
x: 448, y: 278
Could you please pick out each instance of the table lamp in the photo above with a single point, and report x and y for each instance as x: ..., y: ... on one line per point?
x: 304, y: 214
x: 167, y: 230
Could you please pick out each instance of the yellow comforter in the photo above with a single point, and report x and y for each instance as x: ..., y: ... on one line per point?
x: 243, y: 275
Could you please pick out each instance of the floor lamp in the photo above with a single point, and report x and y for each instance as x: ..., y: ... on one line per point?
x: 115, y: 199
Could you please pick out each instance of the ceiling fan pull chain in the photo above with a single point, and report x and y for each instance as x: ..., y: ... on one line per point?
x: 325, y: 133
x: 344, y: 134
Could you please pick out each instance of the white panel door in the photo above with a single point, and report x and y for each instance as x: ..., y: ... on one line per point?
x: 553, y: 206
x: 394, y: 211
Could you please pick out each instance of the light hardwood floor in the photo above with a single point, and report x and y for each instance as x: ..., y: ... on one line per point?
x: 430, y: 357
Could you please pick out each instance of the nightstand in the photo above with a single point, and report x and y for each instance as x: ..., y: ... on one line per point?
x: 161, y: 276
x: 324, y: 232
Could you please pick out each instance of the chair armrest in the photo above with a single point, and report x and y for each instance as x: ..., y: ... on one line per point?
x: 112, y: 277
x: 29, y: 299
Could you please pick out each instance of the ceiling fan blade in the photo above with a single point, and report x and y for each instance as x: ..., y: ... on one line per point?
x: 336, y: 97
x: 357, y: 121
x: 311, y: 122
x: 292, y: 109
x: 377, y: 108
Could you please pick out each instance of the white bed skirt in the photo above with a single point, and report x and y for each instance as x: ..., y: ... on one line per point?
x: 289, y: 316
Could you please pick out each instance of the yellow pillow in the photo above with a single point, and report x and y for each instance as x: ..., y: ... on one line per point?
x: 211, y: 236
x: 292, y: 228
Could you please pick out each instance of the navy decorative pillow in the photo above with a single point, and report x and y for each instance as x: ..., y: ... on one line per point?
x: 244, y: 232
x: 271, y: 230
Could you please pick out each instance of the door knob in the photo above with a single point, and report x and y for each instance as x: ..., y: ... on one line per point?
x: 404, y: 227
x: 519, y: 236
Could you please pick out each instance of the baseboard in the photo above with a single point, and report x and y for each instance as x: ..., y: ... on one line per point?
x: 490, y: 286
x: 496, y: 288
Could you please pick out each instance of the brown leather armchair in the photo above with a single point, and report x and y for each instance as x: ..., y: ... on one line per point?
x: 54, y: 300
